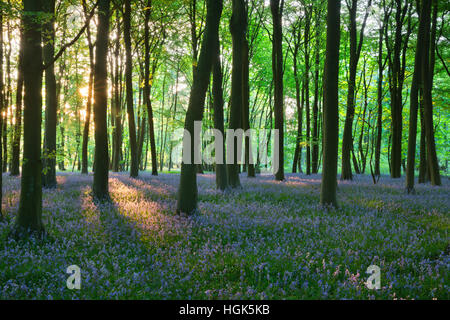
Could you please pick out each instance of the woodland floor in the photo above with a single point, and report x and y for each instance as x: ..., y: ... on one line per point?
x: 269, y: 240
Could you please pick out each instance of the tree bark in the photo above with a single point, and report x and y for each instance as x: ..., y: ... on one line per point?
x: 134, y: 161
x: 87, y: 120
x: 187, y: 192
x: 100, y: 185
x: 355, y: 51
x: 217, y: 91
x: 29, y: 217
x: 277, y: 69
x: 238, y: 25
x: 147, y: 87
x: 427, y: 80
x: 51, y: 101
x: 331, y: 106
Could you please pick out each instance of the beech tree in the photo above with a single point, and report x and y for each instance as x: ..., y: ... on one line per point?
x: 29, y: 217
x: 101, y: 160
x: 330, y: 105
x: 276, y: 8
x: 187, y: 191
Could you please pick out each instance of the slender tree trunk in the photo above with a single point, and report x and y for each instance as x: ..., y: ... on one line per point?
x: 87, y: 120
x: 246, y: 110
x: 238, y: 25
x: 134, y: 161
x: 51, y: 101
x: 277, y: 69
x: 306, y: 88
x: 1, y: 101
x: 100, y: 185
x: 187, y: 192
x: 427, y: 80
x: 315, y: 133
x: 414, y: 105
x: 423, y: 166
x: 331, y: 106
x: 355, y: 51
x: 379, y: 103
x: 15, y: 171
x: 147, y: 100
x: 29, y: 217
x: 221, y: 169
x: 298, y: 149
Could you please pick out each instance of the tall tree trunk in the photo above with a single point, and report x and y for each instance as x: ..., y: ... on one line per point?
x: 427, y: 80
x: 355, y: 51
x: 315, y: 133
x: 29, y: 217
x: 187, y: 192
x: 1, y: 101
x: 116, y: 109
x: 414, y: 104
x: 308, y: 13
x: 87, y: 120
x: 277, y: 69
x: 246, y: 110
x: 217, y: 91
x: 396, y: 57
x: 134, y: 161
x: 331, y: 106
x: 51, y: 101
x: 100, y: 185
x: 147, y: 100
x: 238, y: 25
x: 15, y: 167
x: 379, y: 101
x: 298, y: 148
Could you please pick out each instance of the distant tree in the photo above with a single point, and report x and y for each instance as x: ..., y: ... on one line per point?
x: 355, y: 52
x: 17, y: 131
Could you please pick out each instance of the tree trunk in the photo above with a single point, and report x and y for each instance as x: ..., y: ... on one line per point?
x: 306, y: 88
x: 100, y: 185
x: 238, y: 25
x: 379, y: 102
x: 277, y: 69
x: 1, y: 101
x: 15, y: 167
x: 414, y: 105
x: 331, y: 106
x: 84, y: 148
x: 51, y: 100
x: 355, y: 51
x: 187, y: 192
x: 147, y: 100
x: 134, y: 161
x: 427, y: 79
x: 315, y: 133
x: 217, y: 91
x: 29, y: 217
